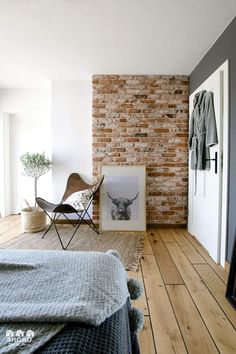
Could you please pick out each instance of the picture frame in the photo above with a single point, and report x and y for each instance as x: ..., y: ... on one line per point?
x: 123, y: 198
x: 231, y: 284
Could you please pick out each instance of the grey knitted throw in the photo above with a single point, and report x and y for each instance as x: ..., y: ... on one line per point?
x: 58, y: 287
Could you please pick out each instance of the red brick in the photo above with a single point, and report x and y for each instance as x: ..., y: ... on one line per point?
x: 141, y: 119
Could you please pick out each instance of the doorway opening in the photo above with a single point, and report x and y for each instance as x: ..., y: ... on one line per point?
x: 21, y: 132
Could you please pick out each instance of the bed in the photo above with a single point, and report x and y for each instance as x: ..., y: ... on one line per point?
x: 113, y: 336
x: 69, y: 302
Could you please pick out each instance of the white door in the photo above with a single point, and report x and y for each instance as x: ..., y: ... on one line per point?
x: 205, y: 207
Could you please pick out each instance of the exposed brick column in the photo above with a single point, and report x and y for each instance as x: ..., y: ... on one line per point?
x: 143, y: 120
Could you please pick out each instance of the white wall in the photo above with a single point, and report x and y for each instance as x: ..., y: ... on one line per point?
x: 28, y: 112
x: 71, y: 132
x: 56, y: 120
x: 23, y: 100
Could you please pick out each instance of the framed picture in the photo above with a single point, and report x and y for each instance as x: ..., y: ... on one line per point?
x: 231, y: 284
x: 123, y: 198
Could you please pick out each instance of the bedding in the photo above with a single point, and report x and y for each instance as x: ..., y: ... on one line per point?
x: 41, y: 291
x: 52, y: 286
x: 113, y: 336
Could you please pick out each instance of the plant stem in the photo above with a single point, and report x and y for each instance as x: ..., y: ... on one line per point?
x: 35, y: 191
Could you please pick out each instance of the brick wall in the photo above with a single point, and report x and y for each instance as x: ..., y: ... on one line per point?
x: 144, y: 120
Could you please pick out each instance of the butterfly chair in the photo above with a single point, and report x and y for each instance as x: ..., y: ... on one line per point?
x: 77, y: 199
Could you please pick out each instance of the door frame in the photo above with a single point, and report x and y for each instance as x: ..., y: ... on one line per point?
x: 5, y: 168
x: 224, y: 82
x: 224, y: 77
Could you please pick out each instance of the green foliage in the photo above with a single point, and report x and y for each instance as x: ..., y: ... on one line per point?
x: 35, y: 165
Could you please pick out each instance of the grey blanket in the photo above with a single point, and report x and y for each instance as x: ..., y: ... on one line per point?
x: 58, y: 287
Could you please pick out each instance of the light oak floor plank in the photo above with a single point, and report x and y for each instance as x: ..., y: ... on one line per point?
x: 167, y: 267
x: 166, y: 235
x: 195, y: 333
x: 188, y: 249
x: 222, y: 273
x: 9, y: 224
x: 211, y: 313
x: 11, y: 233
x: 147, y: 248
x: 9, y: 218
x: 145, y: 338
x: 227, y: 266
x: 166, y: 332
x: 217, y: 288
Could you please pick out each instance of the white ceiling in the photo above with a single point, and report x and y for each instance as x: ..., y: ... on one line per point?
x: 44, y: 40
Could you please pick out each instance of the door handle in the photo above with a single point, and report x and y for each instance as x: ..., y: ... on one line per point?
x: 216, y: 161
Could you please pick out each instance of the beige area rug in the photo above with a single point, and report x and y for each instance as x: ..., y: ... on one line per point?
x: 128, y: 244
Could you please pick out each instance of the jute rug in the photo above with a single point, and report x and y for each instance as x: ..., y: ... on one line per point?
x: 128, y: 244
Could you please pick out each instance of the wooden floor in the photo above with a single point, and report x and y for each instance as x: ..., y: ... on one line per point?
x: 184, y: 302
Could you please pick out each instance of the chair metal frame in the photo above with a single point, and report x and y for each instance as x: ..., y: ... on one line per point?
x: 63, y: 209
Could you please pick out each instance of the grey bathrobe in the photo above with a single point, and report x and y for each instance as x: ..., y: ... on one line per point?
x: 202, y: 130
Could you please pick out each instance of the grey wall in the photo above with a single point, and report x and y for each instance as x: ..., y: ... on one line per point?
x: 224, y: 48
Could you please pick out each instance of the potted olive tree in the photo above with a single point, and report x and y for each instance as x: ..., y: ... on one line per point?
x: 34, y: 165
